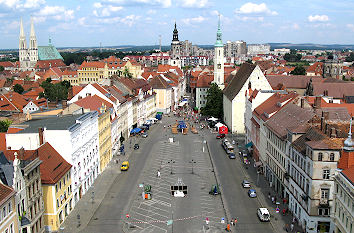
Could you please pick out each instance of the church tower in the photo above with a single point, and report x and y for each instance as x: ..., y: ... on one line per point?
x: 23, y: 53
x: 33, y: 48
x: 175, y: 49
x: 219, y: 59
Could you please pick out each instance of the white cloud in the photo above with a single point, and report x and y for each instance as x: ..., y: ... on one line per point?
x: 106, y: 11
x: 130, y: 19
x: 97, y: 5
x: 33, y: 3
x: 57, y: 12
x: 296, y: 26
x: 318, y: 18
x: 39, y: 19
x: 19, y: 4
x: 162, y: 3
x: 151, y: 12
x: 253, y: 19
x: 254, y: 8
x: 193, y: 3
x: 198, y: 19
x: 350, y: 26
x: 10, y: 3
x: 81, y: 21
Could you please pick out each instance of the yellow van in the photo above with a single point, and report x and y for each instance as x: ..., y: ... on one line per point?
x: 125, y: 166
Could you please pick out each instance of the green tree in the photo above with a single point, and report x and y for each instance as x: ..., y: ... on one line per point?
x: 126, y: 73
x: 18, y: 88
x: 1, y: 69
x: 214, y: 103
x: 299, y: 70
x: 350, y: 58
x: 4, y: 125
x: 55, y: 92
x: 292, y: 57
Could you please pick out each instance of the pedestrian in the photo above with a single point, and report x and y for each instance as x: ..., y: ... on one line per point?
x: 232, y: 222
x: 272, y: 199
x: 293, y: 220
x: 275, y: 199
x: 284, y: 211
x: 286, y: 227
x: 158, y: 173
x: 268, y: 192
x: 292, y: 227
x: 284, y: 201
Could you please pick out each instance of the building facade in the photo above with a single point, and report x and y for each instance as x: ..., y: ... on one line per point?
x: 8, y: 214
x: 175, y: 49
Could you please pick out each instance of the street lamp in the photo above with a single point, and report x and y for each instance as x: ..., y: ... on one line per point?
x: 192, y: 162
x: 171, y: 162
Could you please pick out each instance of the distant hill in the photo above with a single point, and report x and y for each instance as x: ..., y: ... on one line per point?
x: 311, y: 46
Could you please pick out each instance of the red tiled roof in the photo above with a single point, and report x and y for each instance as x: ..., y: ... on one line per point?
x: 6, y: 64
x: 5, y: 193
x: 349, y: 174
x: 335, y: 90
x: 12, y: 101
x: 13, y: 129
x: 94, y: 103
x: 26, y: 84
x: 2, y: 141
x: 95, y: 64
x: 316, y: 68
x: 292, y: 81
x: 46, y: 64
x: 266, y: 110
x: 53, y: 166
x: 204, y: 80
x: 159, y: 82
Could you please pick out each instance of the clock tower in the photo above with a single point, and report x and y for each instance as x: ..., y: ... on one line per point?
x: 219, y: 59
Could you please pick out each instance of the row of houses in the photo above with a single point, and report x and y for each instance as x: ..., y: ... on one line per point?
x: 54, y: 156
x: 300, y: 142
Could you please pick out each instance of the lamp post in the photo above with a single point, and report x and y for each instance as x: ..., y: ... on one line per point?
x: 192, y: 162
x: 171, y: 162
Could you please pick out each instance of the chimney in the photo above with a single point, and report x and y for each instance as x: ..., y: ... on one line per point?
x: 318, y: 102
x: 21, y: 153
x: 333, y: 132
x: 302, y: 101
x: 41, y: 136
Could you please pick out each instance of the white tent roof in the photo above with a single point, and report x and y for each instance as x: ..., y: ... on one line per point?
x: 212, y: 119
x: 218, y: 125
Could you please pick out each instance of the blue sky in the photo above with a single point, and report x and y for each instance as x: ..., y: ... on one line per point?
x: 140, y: 22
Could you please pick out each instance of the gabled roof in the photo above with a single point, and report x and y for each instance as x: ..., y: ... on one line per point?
x: 204, y: 80
x: 311, y: 134
x: 292, y: 81
x: 93, y: 64
x: 94, y: 103
x: 159, y: 82
x: 53, y: 166
x: 46, y: 64
x: 12, y: 101
x: 238, y: 80
x: 266, y: 110
x: 6, y: 64
x: 5, y: 193
x: 335, y: 90
x: 349, y: 174
x: 48, y: 53
x: 289, y: 116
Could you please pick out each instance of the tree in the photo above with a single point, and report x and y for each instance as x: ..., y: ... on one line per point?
x: 1, y: 69
x: 18, y: 88
x: 126, y: 73
x: 214, y: 104
x: 292, y: 57
x: 299, y: 70
x: 350, y: 58
x: 55, y: 92
x: 4, y: 125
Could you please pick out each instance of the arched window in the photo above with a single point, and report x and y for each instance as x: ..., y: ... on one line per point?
x: 331, y: 157
x: 320, y: 156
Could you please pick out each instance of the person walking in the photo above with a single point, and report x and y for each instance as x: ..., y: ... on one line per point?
x: 292, y: 227
x: 158, y: 174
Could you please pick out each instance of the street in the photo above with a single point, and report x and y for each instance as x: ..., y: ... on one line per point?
x: 197, y: 161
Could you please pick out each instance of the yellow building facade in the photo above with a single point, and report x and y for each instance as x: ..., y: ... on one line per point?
x: 104, y: 138
x: 8, y: 213
x: 56, y: 186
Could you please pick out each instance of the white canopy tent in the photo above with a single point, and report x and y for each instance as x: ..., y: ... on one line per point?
x: 212, y: 119
x: 218, y: 125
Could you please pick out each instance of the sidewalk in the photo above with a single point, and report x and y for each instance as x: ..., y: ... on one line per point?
x: 278, y: 220
x: 92, y: 199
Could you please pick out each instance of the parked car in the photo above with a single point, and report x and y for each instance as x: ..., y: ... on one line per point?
x: 219, y: 136
x: 144, y: 135
x: 232, y: 156
x: 136, y: 146
x: 263, y: 214
x: 252, y: 193
x: 246, y: 184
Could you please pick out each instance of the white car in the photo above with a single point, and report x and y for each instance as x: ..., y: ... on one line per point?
x: 246, y: 184
x: 263, y: 214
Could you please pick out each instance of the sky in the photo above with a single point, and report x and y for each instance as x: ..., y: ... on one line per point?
x: 140, y: 22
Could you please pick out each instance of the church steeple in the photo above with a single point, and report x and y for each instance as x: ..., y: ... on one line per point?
x: 22, y: 44
x: 175, y: 33
x: 33, y: 48
x: 33, y: 39
x: 218, y: 42
x: 348, y: 143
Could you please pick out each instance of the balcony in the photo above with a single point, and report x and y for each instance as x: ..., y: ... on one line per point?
x: 324, y: 201
x: 286, y: 176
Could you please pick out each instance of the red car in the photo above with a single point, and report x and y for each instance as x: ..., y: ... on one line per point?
x: 219, y: 136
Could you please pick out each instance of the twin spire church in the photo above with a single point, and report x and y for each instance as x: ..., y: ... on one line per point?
x: 31, y: 56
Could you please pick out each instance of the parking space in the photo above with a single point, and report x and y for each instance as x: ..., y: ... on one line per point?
x: 180, y: 161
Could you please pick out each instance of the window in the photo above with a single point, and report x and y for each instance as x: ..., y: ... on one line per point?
x: 326, y: 174
x: 323, y: 211
x: 324, y: 193
x: 331, y: 157
x: 56, y: 188
x: 4, y: 212
x: 9, y: 209
x: 57, y: 202
x: 320, y: 156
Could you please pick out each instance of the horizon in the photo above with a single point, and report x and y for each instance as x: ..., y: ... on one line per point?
x: 139, y: 23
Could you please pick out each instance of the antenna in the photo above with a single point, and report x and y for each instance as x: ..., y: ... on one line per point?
x: 160, y: 42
